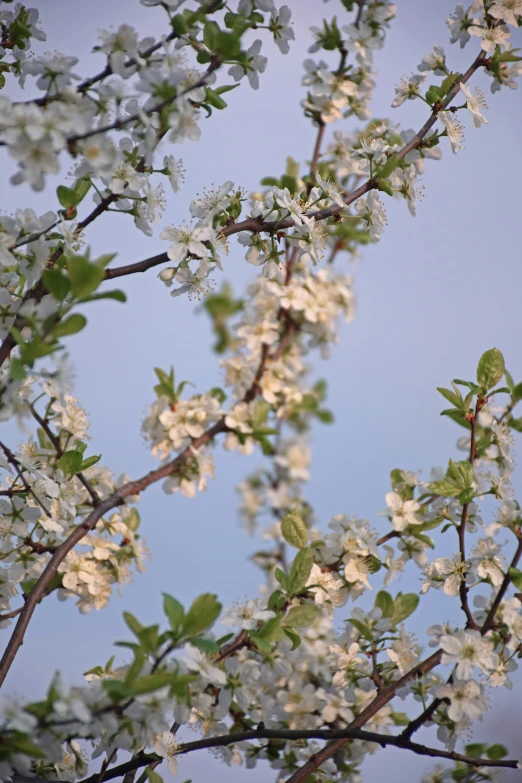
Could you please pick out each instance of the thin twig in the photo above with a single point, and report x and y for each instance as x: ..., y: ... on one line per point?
x: 463, y: 589
x: 114, y: 500
x: 19, y: 468
x: 502, y: 589
x: 44, y: 424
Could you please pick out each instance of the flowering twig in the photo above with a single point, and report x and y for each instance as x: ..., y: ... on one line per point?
x: 257, y: 226
x: 114, y: 500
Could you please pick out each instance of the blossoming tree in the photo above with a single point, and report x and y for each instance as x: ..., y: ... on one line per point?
x: 273, y: 679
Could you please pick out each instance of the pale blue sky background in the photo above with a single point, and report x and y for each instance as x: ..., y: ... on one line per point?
x: 432, y: 296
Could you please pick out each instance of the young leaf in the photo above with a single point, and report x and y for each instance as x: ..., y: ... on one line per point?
x: 454, y: 397
x: 202, y: 614
x: 72, y: 325
x: 132, y: 623
x: 84, y: 276
x: 496, y: 752
x: 294, y: 531
x: 293, y: 636
x: 490, y: 368
x: 89, y: 462
x: 384, y: 602
x: 56, y: 283
x: 300, y: 571
x: 516, y: 577
x: 174, y: 611
x: 301, y: 616
x: 282, y: 578
x: 403, y: 606
x: 70, y: 462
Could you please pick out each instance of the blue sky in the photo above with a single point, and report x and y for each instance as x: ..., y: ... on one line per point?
x: 435, y: 293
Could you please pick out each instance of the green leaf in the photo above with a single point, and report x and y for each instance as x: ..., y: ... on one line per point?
x: 152, y: 682
x: 132, y: 520
x: 301, y: 616
x: 56, y: 283
x: 448, y: 83
x: 70, y: 462
x: 16, y: 369
x: 149, y: 638
x: 432, y: 94
x: 459, y: 477
x: 403, y: 606
x: 271, y: 630
x: 75, y: 323
x: 490, y: 368
x: 218, y: 393
x: 385, y: 186
x: 466, y: 496
x: 276, y: 601
x: 165, y: 387
x: 211, y: 32
x: 152, y: 775
x: 214, y: 99
x: 131, y: 622
x: 206, y: 645
x: 475, y: 749
x: 180, y: 27
x: 89, y: 462
x: 84, y: 276
x: 390, y: 165
x: 228, y: 45
x: 66, y: 196
x: 362, y: 628
x: 516, y: 577
x: 18, y: 742
x: 384, y: 602
x: 293, y: 636
x: 117, y: 690
x: 282, y: 578
x: 508, y: 56
x: 136, y: 666
x: 173, y: 610
x: 263, y: 647
x: 294, y: 531
x: 496, y: 752
x: 300, y: 571
x: 454, y: 397
x: 400, y: 718
x: 104, y: 260
x: 81, y: 188
x: 203, y: 613
x: 117, y: 295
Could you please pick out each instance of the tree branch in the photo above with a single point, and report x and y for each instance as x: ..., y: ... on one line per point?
x: 346, y: 735
x: 116, y: 499
x: 380, y: 701
x: 86, y: 84
x: 257, y: 226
